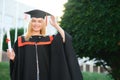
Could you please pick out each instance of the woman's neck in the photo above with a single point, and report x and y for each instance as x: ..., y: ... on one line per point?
x: 36, y: 33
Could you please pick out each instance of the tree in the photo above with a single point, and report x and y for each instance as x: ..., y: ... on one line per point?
x: 95, y: 28
x: 12, y: 36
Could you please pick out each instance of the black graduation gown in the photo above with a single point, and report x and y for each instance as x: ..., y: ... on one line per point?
x: 56, y: 60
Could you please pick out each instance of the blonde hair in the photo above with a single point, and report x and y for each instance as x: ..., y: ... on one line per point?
x: 29, y: 31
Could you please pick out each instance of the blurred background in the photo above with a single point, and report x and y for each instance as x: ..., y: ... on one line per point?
x: 93, y: 24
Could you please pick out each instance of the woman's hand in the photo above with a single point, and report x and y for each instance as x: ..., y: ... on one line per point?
x: 11, y: 55
x: 53, y: 22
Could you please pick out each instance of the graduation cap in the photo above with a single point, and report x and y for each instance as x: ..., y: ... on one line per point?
x: 37, y: 13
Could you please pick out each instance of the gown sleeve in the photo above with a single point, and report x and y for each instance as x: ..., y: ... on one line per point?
x: 72, y: 59
x: 64, y: 64
x: 12, y: 63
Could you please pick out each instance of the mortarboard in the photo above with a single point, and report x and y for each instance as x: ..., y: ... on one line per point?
x: 37, y: 13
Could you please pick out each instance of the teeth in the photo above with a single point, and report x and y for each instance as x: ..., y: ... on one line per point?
x: 36, y: 27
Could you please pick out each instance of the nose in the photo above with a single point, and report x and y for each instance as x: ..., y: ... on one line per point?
x: 37, y: 23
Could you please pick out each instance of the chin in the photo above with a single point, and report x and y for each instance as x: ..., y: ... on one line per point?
x: 36, y: 30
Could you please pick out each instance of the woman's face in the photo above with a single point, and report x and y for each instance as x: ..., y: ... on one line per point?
x: 37, y: 24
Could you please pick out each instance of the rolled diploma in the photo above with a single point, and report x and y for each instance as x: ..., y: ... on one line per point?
x: 9, y: 42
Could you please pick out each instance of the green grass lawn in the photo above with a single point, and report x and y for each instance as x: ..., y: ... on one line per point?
x: 96, y: 76
x: 4, y: 71
x: 4, y: 74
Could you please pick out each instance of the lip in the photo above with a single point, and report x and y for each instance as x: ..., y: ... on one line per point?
x: 36, y: 26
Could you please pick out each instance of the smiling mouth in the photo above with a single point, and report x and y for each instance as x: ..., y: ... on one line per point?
x: 36, y: 26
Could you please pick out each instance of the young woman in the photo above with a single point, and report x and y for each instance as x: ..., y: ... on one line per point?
x: 36, y: 56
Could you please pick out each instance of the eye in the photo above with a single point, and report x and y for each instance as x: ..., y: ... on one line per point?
x: 39, y: 21
x: 33, y: 20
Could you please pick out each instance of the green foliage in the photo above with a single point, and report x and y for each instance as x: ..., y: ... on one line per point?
x: 12, y: 36
x: 95, y: 28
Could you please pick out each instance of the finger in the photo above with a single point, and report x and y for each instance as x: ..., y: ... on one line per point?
x: 52, y: 17
x: 8, y: 55
x: 12, y: 50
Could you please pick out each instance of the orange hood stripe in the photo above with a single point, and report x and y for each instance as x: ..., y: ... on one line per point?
x: 20, y: 43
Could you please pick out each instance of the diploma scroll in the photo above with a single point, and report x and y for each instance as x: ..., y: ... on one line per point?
x: 8, y: 40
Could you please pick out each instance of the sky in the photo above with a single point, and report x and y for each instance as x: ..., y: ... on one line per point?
x: 54, y: 7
